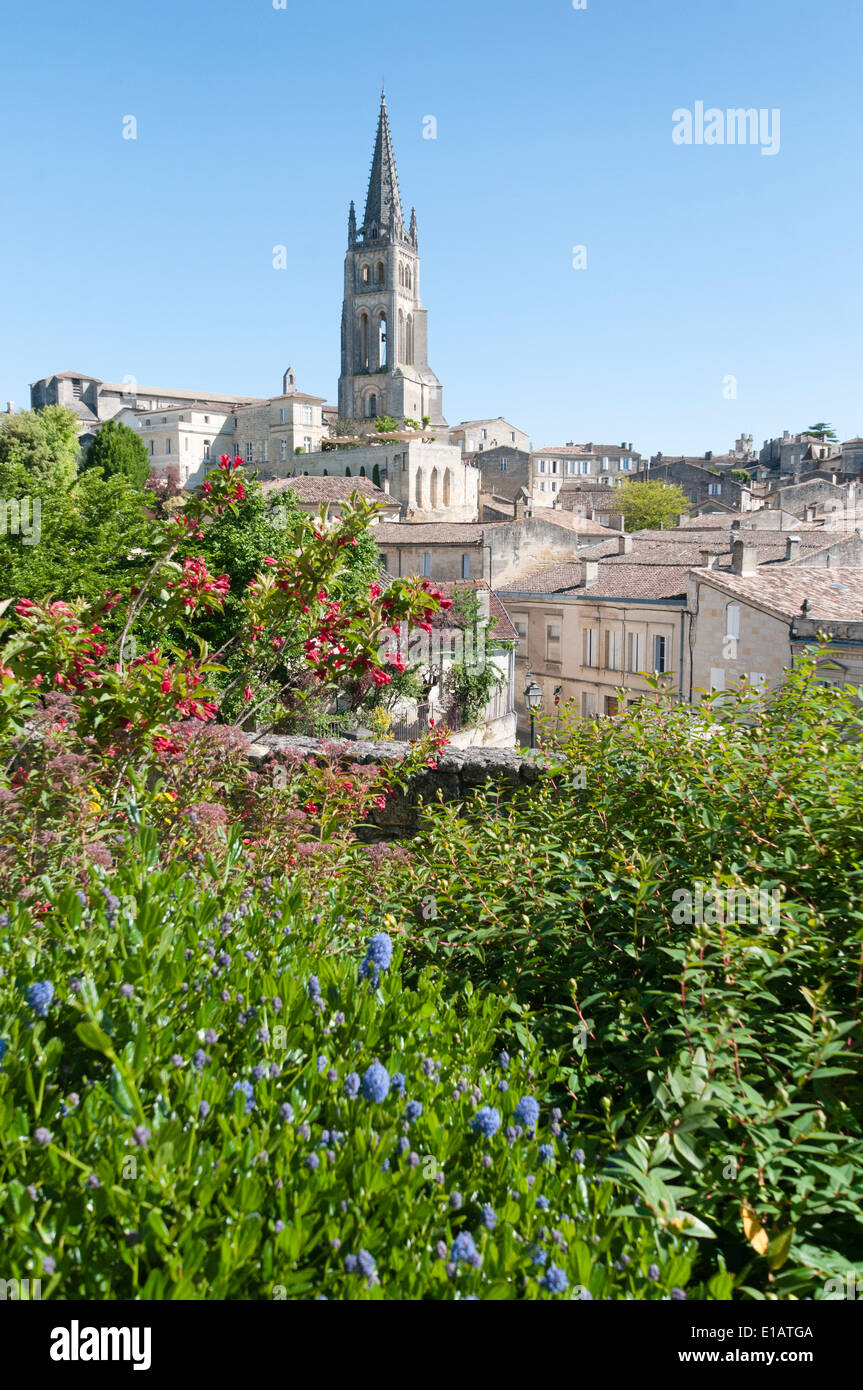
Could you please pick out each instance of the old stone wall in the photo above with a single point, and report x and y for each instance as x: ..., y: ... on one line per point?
x: 460, y: 773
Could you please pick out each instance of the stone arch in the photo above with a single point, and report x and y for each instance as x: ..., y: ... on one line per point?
x: 366, y: 274
x: 418, y: 488
x: 408, y: 284
x: 400, y: 346
x: 371, y: 405
x: 380, y: 272
x: 434, y: 490
x: 409, y: 344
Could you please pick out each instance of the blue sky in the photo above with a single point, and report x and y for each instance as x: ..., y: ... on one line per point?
x: 152, y: 258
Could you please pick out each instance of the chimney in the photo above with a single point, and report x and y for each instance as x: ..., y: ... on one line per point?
x: 792, y: 548
x: 589, y: 573
x: 629, y: 447
x: 10, y: 407
x: 735, y: 525
x: 744, y: 558
x: 624, y: 545
x: 808, y: 513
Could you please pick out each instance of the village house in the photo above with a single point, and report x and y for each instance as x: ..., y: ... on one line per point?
x: 607, y: 463
x: 496, y: 551
x: 334, y: 493
x: 754, y: 623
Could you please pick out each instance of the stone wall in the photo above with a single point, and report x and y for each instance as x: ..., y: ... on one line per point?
x: 460, y: 773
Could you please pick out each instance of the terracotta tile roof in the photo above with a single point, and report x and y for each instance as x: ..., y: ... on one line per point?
x: 623, y: 580
x: 311, y: 489
x: 571, y: 522
x: 502, y: 627
x: 432, y: 532
x: 833, y: 594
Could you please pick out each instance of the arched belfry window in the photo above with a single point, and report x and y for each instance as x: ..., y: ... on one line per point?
x: 400, y: 345
x: 407, y: 277
x: 409, y: 343
x: 372, y: 406
x: 380, y: 272
x: 418, y: 489
x: 447, y: 487
x: 364, y: 340
x: 383, y: 346
x: 434, y: 488
x: 366, y: 274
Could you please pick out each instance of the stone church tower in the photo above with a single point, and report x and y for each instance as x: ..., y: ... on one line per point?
x: 385, y: 368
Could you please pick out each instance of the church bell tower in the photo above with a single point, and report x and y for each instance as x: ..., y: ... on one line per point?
x: 385, y: 368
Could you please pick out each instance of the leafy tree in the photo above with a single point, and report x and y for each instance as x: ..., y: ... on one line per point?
x: 740, y: 475
x: 822, y: 431
x: 92, y: 536
x: 376, y: 476
x: 38, y: 449
x: 650, y: 504
x: 118, y: 450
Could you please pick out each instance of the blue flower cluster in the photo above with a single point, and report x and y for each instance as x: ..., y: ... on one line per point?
x: 375, y: 1083
x: 248, y: 1090
x: 379, y: 954
x: 486, y: 1121
x: 527, y: 1112
x: 39, y: 997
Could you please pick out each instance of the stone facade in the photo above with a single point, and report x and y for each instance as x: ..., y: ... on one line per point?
x: 608, y: 464
x: 481, y: 436
x: 428, y: 480
x: 700, y: 484
x: 385, y: 368
x: 499, y: 552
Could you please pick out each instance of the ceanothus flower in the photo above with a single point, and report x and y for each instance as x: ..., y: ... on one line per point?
x: 286, y: 1111
x: 413, y: 1110
x: 380, y: 951
x: 554, y: 1280
x: 352, y: 1085
x: 546, y: 1153
x: 653, y: 1273
x: 527, y: 1112
x: 489, y: 1218
x: 542, y: 1203
x: 247, y: 1089
x: 39, y: 997
x: 464, y: 1249
x: 503, y: 1059
x: 397, y: 1081
x: 486, y: 1121
x: 376, y: 1083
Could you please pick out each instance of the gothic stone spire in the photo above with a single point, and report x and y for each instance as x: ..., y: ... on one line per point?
x: 383, y: 204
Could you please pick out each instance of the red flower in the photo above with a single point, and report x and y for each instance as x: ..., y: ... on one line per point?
x: 247, y: 694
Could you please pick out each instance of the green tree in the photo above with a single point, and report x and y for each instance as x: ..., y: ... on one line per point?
x: 117, y: 450
x: 38, y: 450
x: 376, y: 476
x: 649, y: 504
x: 91, y: 537
x: 822, y: 431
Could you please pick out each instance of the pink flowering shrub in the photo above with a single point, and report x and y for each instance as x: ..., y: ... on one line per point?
x: 96, y: 735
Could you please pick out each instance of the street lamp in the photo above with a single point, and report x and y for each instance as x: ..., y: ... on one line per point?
x: 533, y: 700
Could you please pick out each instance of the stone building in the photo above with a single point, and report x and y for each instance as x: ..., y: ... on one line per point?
x: 608, y: 464
x: 498, y: 552
x: 754, y: 623
x: 430, y: 481
x: 597, y: 625
x: 188, y: 439
x: 700, y: 482
x: 385, y: 368
x: 479, y: 436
